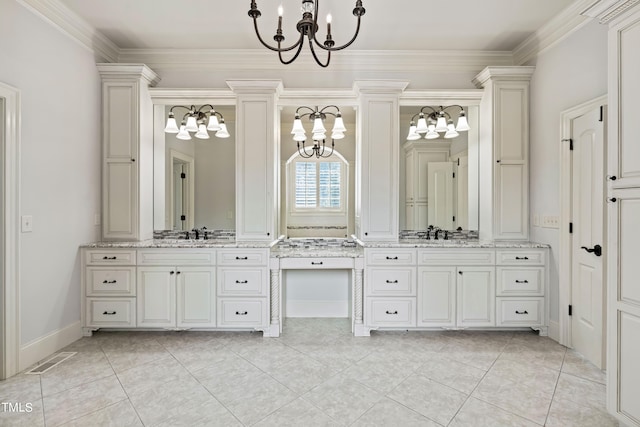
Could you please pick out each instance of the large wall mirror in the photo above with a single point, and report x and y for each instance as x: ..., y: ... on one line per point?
x: 439, y: 176
x: 194, y: 179
x: 317, y: 194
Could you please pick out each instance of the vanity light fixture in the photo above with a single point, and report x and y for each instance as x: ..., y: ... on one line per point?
x: 318, y: 133
x: 307, y: 27
x: 434, y: 121
x: 194, y: 121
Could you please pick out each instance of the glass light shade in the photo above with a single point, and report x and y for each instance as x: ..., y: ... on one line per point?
x: 319, y: 136
x: 413, y: 135
x: 213, y: 123
x: 172, y: 126
x: 223, y: 132
x: 297, y: 126
x: 183, y: 134
x: 441, y: 124
x: 318, y: 126
x: 202, y: 132
x: 192, y: 125
x: 451, y: 131
x: 432, y: 134
x: 308, y: 6
x: 299, y: 137
x: 337, y: 135
x: 422, y: 124
x: 463, y: 125
x: 338, y: 125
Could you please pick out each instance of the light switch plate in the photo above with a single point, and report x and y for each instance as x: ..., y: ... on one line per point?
x: 27, y: 223
x: 551, y: 221
x: 536, y: 220
x: 96, y: 219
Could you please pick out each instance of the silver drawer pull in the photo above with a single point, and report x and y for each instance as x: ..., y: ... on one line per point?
x: 109, y: 313
x: 522, y: 281
x: 392, y: 312
x: 242, y: 258
x: 109, y: 257
x: 522, y: 312
x: 242, y: 282
x: 522, y: 258
x: 241, y: 313
x: 109, y: 282
x: 392, y: 281
x: 317, y: 263
x: 392, y: 257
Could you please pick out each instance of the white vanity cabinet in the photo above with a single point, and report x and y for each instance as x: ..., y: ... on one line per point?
x: 520, y: 287
x: 390, y: 287
x: 109, y: 277
x: 243, y: 288
x: 456, y: 288
x: 174, y: 291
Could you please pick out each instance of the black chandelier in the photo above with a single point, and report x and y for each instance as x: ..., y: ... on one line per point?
x: 194, y: 121
x: 307, y: 26
x: 319, y: 132
x: 435, y: 121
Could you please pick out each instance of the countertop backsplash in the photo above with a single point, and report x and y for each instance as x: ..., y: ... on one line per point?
x: 181, y: 234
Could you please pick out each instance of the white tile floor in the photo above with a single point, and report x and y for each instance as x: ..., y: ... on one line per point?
x: 315, y: 374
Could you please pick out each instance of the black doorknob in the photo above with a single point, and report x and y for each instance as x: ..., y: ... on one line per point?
x: 597, y: 250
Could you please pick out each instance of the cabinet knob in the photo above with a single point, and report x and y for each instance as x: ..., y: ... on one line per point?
x: 460, y: 272
x: 133, y: 160
x: 612, y: 177
x: 177, y: 272
x: 612, y: 200
x: 497, y: 161
x: 172, y: 272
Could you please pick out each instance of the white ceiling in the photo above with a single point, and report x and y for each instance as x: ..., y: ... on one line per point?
x: 486, y: 25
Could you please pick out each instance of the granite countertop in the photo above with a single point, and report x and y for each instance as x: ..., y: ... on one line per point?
x: 180, y: 243
x: 472, y: 243
x: 321, y: 247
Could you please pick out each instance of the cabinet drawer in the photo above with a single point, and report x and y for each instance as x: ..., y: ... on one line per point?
x: 242, y: 313
x: 111, y: 256
x: 112, y: 281
x: 313, y: 263
x: 529, y: 257
x: 390, y: 256
x: 520, y: 281
x: 111, y: 312
x: 243, y: 281
x: 455, y: 257
x: 184, y: 256
x: 243, y: 257
x: 391, y: 281
x: 520, y: 311
x: 392, y: 312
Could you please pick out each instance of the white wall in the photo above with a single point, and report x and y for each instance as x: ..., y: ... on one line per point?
x: 60, y: 163
x: 572, y: 72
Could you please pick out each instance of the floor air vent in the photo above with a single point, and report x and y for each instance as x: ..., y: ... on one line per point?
x: 51, y: 362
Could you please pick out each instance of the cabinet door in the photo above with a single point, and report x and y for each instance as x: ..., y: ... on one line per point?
x: 437, y: 296
x: 410, y: 194
x: 120, y: 195
x: 476, y: 296
x: 156, y: 297
x: 511, y: 219
x: 196, y: 296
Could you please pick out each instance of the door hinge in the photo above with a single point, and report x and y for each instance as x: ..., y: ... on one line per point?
x: 570, y: 228
x: 458, y: 161
x: 601, y: 113
x: 454, y: 218
x: 183, y: 175
x: 570, y: 310
x: 570, y: 144
x: 454, y: 174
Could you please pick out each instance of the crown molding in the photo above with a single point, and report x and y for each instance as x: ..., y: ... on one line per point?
x: 520, y: 73
x: 172, y: 96
x: 128, y: 71
x: 607, y: 10
x: 370, y: 60
x: 553, y: 32
x: 72, y: 25
x: 418, y: 98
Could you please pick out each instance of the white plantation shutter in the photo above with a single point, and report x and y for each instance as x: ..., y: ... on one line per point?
x: 329, y: 185
x: 306, y: 185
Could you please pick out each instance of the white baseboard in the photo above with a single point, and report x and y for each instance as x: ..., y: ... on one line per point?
x: 302, y: 308
x: 554, y: 330
x: 40, y: 348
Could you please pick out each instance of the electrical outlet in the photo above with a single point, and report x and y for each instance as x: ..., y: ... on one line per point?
x: 536, y: 220
x: 551, y: 221
x: 96, y: 219
x: 27, y: 223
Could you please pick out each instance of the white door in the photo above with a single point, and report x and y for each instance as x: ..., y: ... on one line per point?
x: 437, y: 296
x: 462, y: 205
x: 156, y: 298
x: 587, y: 292
x: 196, y: 296
x: 2, y: 244
x: 440, y: 194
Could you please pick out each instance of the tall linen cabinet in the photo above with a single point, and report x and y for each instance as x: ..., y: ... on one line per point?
x: 127, y: 151
x: 623, y: 197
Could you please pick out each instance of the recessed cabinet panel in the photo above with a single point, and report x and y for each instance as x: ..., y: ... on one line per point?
x: 628, y: 372
x: 110, y: 257
x: 111, y: 312
x: 120, y: 196
x: 437, y: 296
x: 177, y: 257
x: 511, y: 203
x: 239, y: 257
x: 520, y: 311
x: 120, y: 127
x: 196, y: 297
x: 520, y: 281
x: 455, y: 257
x: 392, y: 281
x: 242, y: 281
x: 114, y: 281
x: 392, y: 312
x: 629, y: 238
x: 476, y: 296
x: 242, y: 313
x: 156, y: 297
x: 512, y: 116
x: 390, y: 256
x: 629, y: 107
